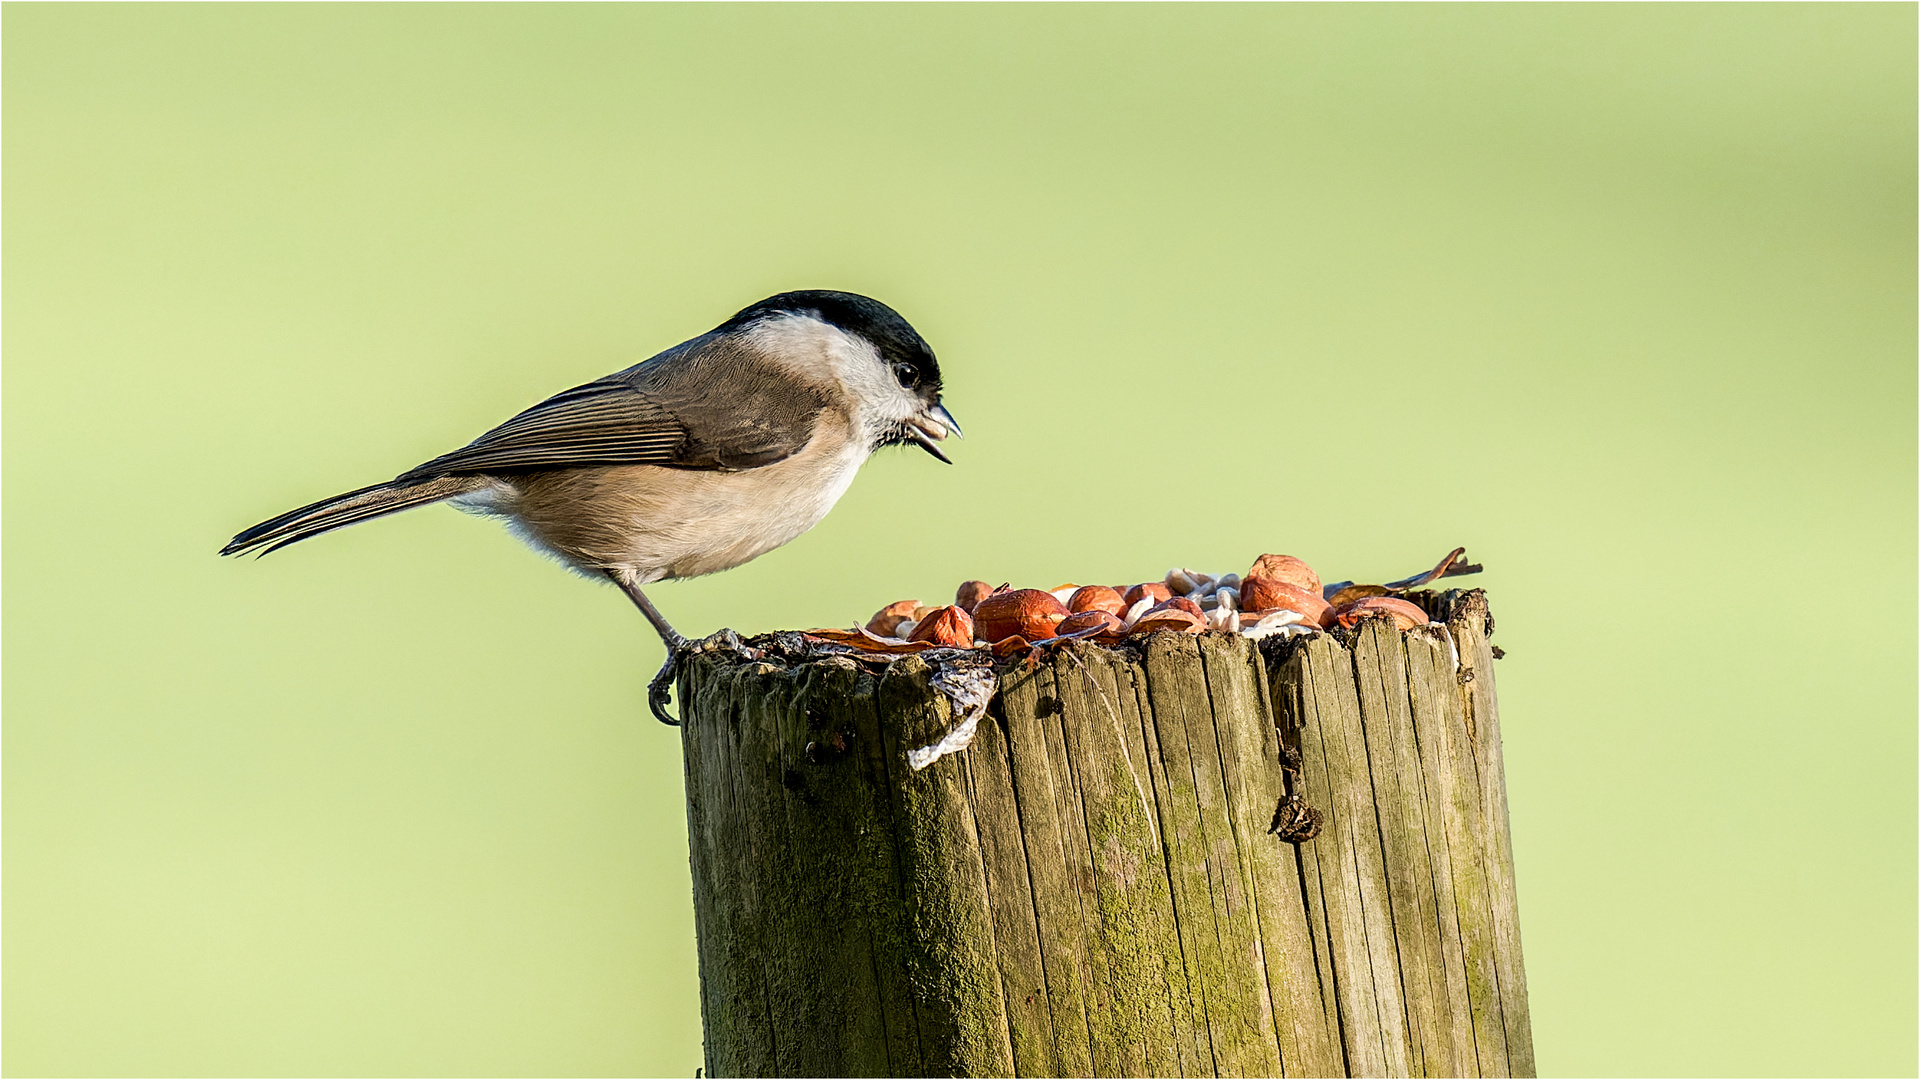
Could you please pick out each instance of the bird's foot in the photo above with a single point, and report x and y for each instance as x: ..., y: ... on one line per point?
x: 728, y: 641
x: 659, y: 690
x: 678, y: 652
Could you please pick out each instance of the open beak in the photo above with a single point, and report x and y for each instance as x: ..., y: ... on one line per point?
x: 931, y: 426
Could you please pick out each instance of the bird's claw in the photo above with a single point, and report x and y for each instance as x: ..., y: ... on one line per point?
x: 728, y: 640
x: 677, y: 653
x: 662, y: 684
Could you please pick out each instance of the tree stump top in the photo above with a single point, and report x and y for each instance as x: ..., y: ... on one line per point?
x: 1092, y: 884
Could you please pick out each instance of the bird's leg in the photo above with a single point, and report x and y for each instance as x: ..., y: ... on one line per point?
x: 657, y: 690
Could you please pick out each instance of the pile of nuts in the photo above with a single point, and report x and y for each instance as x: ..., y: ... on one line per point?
x: 1278, y: 596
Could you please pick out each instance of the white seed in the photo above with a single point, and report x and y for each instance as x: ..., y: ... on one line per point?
x: 1227, y: 598
x: 1230, y: 581
x: 1180, y: 582
x: 1133, y: 613
x: 1224, y: 619
x: 1281, y: 623
x: 905, y: 629
x: 1066, y: 594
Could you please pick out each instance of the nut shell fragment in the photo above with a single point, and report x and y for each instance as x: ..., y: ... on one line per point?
x: 1277, y: 623
x: 1170, y: 618
x: 1405, y: 614
x: 1158, y: 591
x: 887, y: 620
x: 1097, y: 598
x: 1179, y: 602
x: 970, y: 593
x: 1288, y: 571
x: 1265, y: 594
x: 1027, y: 613
x: 1351, y: 593
x: 857, y: 638
x: 950, y: 626
x: 1006, y: 647
x: 1101, y: 626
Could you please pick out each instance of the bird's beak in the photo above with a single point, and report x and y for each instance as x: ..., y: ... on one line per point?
x: 930, y: 427
x: 944, y: 418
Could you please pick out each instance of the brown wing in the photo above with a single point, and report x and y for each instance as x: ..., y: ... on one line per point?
x: 692, y: 407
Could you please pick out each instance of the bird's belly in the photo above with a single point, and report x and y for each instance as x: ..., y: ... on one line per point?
x: 660, y: 523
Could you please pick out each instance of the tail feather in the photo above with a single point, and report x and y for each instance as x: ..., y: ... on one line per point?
x: 329, y: 514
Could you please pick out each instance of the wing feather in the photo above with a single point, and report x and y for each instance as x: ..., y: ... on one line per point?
x: 692, y: 407
x: 601, y: 423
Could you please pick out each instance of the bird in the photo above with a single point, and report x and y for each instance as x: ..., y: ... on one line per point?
x: 696, y: 460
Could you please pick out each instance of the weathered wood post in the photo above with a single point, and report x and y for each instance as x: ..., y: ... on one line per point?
x: 1091, y: 887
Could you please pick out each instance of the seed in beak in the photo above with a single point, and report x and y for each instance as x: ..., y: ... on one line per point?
x: 929, y: 427
x: 925, y: 441
x: 940, y: 414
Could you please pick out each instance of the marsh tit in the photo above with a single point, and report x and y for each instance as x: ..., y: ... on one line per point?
x: 715, y: 451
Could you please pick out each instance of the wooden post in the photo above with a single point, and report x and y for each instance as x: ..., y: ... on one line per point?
x: 1091, y: 887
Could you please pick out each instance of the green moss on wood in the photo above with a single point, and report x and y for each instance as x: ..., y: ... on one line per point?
x: 1089, y: 889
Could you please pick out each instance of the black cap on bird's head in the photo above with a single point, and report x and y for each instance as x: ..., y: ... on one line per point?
x: 905, y: 353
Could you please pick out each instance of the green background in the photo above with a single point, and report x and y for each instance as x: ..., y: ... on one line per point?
x: 1622, y: 298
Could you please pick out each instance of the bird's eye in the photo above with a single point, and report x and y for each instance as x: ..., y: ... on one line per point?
x: 906, y: 374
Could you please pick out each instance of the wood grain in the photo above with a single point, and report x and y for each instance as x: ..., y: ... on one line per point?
x: 1090, y: 888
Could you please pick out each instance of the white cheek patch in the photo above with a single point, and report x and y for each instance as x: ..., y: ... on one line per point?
x: 821, y: 352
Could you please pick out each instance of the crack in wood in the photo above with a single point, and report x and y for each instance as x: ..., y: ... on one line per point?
x: 1188, y: 856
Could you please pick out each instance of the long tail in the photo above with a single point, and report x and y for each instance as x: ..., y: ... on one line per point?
x: 329, y: 514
